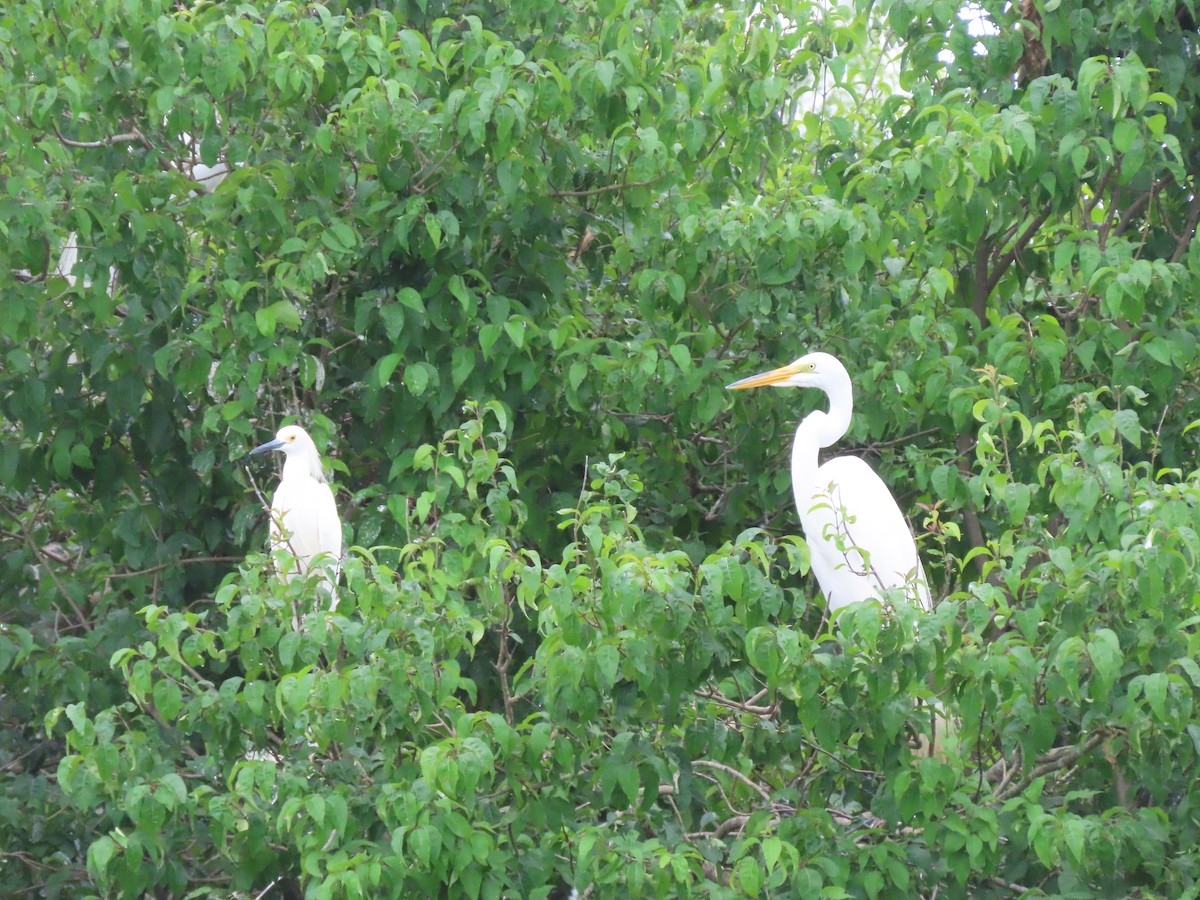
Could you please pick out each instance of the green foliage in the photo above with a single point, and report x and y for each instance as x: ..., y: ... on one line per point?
x: 501, y: 262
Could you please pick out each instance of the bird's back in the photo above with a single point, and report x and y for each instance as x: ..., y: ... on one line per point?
x: 860, y: 541
x: 305, y: 522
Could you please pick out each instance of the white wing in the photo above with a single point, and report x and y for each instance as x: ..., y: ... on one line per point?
x: 305, y: 523
x: 860, y: 541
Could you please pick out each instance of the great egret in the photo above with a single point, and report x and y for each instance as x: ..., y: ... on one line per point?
x: 304, y: 518
x: 860, y: 544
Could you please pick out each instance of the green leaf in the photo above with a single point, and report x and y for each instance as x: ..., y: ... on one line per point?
x: 1125, y: 132
x: 416, y: 378
x: 1104, y: 650
x: 100, y: 853
x: 608, y: 658
x: 168, y: 699
x: 488, y: 335
x: 1075, y: 836
x: 515, y: 329
x: 683, y: 359
x: 605, y: 70
x: 386, y: 367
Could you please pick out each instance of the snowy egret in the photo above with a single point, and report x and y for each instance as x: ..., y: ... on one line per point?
x: 860, y: 543
x: 304, y: 518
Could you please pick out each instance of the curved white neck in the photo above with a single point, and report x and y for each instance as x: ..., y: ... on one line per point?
x: 817, y: 430
x: 301, y: 465
x: 827, y: 428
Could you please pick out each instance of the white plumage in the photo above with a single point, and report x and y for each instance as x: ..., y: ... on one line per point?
x: 859, y: 541
x: 304, y: 518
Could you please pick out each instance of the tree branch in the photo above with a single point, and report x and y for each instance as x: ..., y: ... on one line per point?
x: 604, y: 189
x: 1008, y: 258
x: 128, y: 137
x: 1098, y: 192
x: 970, y: 518
x: 1140, y: 203
x: 1054, y: 760
x: 1189, y: 230
x: 721, y: 767
x: 177, y: 562
x: 504, y: 658
x: 748, y: 706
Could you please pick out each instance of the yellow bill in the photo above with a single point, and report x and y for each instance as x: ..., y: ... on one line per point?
x: 775, y: 376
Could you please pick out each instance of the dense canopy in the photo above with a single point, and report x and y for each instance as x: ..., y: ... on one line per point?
x: 500, y: 261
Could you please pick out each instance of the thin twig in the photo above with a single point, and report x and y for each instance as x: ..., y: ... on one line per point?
x: 1008, y: 258
x: 605, y: 189
x: 42, y: 559
x: 177, y: 562
x: 747, y: 706
x: 841, y: 762
x: 266, y: 890
x: 875, y: 446
x: 1185, y: 239
x: 129, y: 137
x: 1054, y: 760
x: 1140, y: 203
x: 709, y: 764
x: 504, y: 659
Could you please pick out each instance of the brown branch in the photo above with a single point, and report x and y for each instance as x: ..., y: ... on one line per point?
x: 1011, y: 231
x: 736, y: 821
x: 177, y: 562
x: 1098, y: 192
x: 62, y: 589
x: 875, y: 446
x: 982, y: 251
x: 12, y: 764
x: 721, y: 767
x: 1053, y: 760
x: 1190, y: 229
x: 277, y: 521
x: 970, y: 517
x: 748, y: 706
x: 1140, y: 203
x: 841, y: 762
x: 129, y: 137
x: 420, y: 181
x: 1008, y: 258
x: 608, y: 188
x: 504, y: 660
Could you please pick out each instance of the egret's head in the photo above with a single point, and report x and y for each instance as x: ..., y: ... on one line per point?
x: 290, y: 439
x: 301, y: 453
x: 819, y: 370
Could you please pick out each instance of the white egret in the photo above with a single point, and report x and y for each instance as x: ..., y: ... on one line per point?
x: 860, y: 543
x: 304, y: 518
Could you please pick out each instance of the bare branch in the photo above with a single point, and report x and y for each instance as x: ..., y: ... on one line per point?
x: 747, y: 706
x: 837, y: 759
x: 1008, y: 258
x: 504, y: 659
x: 129, y: 137
x: 1141, y: 202
x: 1055, y: 760
x: 84, y: 622
x: 177, y: 562
x: 1189, y: 230
x: 721, y: 767
x: 605, y: 189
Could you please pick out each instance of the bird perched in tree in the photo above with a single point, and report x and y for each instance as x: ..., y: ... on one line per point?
x: 859, y: 541
x: 304, y: 518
